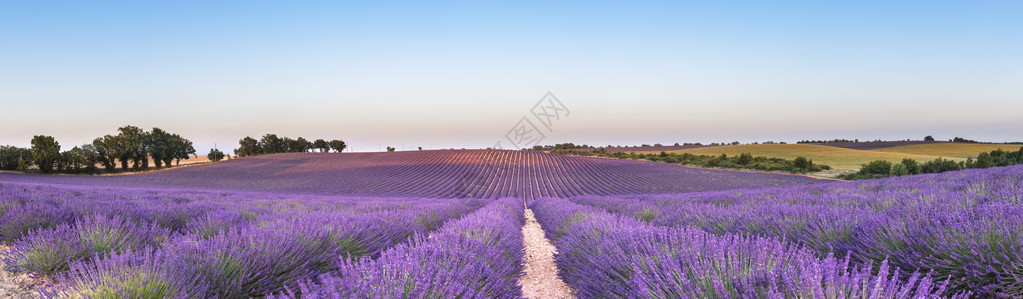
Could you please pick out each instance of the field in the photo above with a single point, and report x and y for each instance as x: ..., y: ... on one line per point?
x: 450, y: 224
x: 949, y: 150
x: 845, y: 159
x: 840, y: 159
x: 436, y: 174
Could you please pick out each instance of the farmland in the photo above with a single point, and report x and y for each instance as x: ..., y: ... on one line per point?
x: 449, y: 223
x: 848, y: 157
x: 436, y: 174
x: 950, y: 150
x: 841, y: 159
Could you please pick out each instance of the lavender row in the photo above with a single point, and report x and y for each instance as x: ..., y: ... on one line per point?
x: 478, y: 256
x: 27, y: 207
x: 267, y: 240
x: 244, y: 261
x: 603, y: 255
x: 967, y: 225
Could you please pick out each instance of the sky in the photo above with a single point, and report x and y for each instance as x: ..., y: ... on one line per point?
x: 464, y: 74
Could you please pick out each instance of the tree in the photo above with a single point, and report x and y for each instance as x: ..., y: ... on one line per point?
x: 337, y: 145
x: 248, y: 147
x: 90, y: 157
x: 322, y: 145
x: 75, y: 159
x: 877, y: 168
x: 106, y: 151
x: 22, y: 165
x: 745, y: 159
x: 215, y: 155
x: 929, y: 138
x: 11, y: 157
x: 940, y: 165
x: 899, y: 169
x: 181, y: 148
x: 912, y: 167
x: 420, y: 148
x: 159, y: 143
x: 984, y: 160
x: 390, y: 149
x: 803, y: 164
x: 131, y: 147
x: 271, y: 144
x: 46, y: 152
x: 300, y: 145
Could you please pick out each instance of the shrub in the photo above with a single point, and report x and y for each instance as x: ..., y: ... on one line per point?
x: 49, y: 251
x: 899, y: 170
x: 912, y: 167
x: 878, y: 168
x: 802, y: 164
x: 215, y: 155
x: 142, y: 274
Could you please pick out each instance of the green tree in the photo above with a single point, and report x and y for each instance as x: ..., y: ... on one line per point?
x: 984, y: 160
x: 248, y: 147
x: 929, y: 138
x: 322, y: 145
x: 106, y: 151
x: 745, y: 159
x: 90, y: 157
x: 390, y: 149
x: 159, y: 143
x: 912, y: 167
x: 879, y: 168
x: 131, y: 147
x: 271, y: 144
x: 215, y: 155
x: 11, y: 157
x: 22, y: 165
x: 337, y: 145
x: 301, y: 145
x: 181, y: 148
x: 46, y: 152
x: 899, y: 169
x: 802, y: 164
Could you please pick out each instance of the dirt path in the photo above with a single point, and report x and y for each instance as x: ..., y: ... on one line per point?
x: 13, y: 284
x: 541, y: 275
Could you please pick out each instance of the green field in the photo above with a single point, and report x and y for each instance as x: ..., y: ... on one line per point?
x: 844, y: 160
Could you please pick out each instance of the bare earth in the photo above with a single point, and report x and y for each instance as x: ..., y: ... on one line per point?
x: 541, y: 275
x: 14, y: 284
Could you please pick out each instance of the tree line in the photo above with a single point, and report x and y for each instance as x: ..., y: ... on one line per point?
x: 132, y: 145
x: 272, y: 144
x: 882, y: 169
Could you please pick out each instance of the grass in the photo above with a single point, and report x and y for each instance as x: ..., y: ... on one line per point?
x: 949, y: 150
x: 841, y: 160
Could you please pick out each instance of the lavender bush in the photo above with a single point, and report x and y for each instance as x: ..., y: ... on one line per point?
x: 964, y: 225
x: 603, y: 255
x: 235, y: 248
x: 49, y: 251
x: 478, y: 256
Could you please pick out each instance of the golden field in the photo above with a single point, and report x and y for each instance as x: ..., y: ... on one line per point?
x: 844, y: 160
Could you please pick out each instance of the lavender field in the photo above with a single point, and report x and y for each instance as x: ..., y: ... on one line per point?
x: 437, y: 174
x: 442, y: 224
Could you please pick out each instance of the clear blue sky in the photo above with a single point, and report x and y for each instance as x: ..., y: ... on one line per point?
x: 461, y: 74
